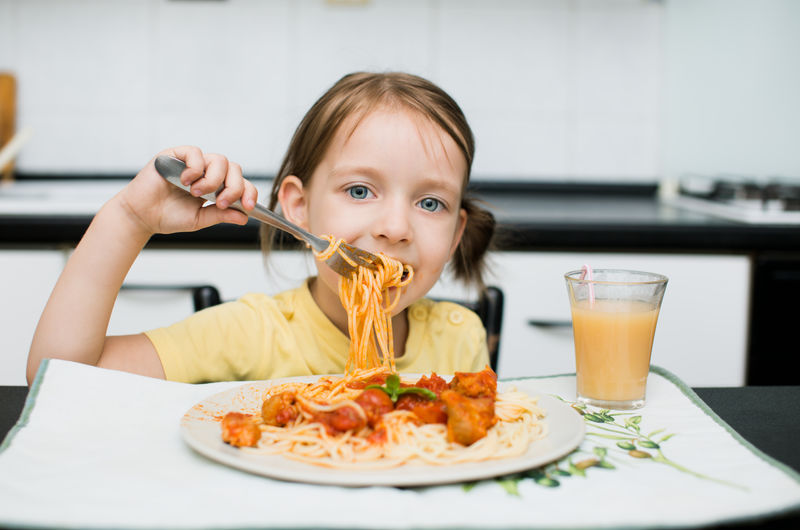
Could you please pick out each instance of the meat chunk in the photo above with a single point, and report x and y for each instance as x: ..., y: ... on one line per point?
x: 468, y: 418
x: 434, y: 383
x: 342, y: 419
x: 427, y: 410
x: 475, y: 384
x: 375, y: 403
x: 240, y: 430
x: 280, y: 410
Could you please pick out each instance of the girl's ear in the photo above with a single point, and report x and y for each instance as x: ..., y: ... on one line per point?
x: 462, y: 224
x: 292, y: 198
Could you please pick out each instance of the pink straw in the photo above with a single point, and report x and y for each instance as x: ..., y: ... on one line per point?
x: 587, y: 275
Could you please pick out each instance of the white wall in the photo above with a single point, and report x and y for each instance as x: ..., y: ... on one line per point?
x: 732, y: 76
x: 554, y: 89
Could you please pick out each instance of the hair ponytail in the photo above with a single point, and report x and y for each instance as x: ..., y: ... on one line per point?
x: 469, y: 261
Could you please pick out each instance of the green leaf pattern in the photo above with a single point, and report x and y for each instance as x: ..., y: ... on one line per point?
x: 625, y: 430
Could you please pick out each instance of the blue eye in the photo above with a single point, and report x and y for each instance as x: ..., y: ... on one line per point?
x: 430, y: 204
x: 358, y: 192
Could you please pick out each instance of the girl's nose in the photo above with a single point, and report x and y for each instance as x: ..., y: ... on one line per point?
x: 392, y: 223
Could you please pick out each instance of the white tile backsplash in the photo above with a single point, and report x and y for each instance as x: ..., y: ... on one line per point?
x: 218, y: 57
x: 554, y: 89
x: 82, y: 55
x: 620, y: 75
x: 329, y: 41
x: 83, y: 141
x: 613, y: 146
x: 509, y: 55
x: 733, y: 76
x: 255, y: 139
x: 536, y: 144
x: 9, y: 40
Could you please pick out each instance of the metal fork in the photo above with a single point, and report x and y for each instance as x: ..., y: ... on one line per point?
x: 171, y: 168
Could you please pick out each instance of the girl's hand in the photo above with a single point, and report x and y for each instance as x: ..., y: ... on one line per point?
x: 161, y: 208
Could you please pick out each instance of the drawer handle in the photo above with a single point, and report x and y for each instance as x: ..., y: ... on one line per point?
x: 550, y: 323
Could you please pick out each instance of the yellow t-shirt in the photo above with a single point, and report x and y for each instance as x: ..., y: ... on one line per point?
x: 263, y: 337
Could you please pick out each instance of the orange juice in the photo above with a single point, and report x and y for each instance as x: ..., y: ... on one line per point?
x: 613, y: 341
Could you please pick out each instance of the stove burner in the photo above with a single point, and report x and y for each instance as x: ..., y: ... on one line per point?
x: 745, y: 199
x: 770, y: 195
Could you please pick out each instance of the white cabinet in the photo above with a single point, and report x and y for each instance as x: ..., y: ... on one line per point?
x: 26, y: 279
x: 702, y: 330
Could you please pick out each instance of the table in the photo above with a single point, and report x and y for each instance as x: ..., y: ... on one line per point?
x: 775, y: 432
x: 764, y: 416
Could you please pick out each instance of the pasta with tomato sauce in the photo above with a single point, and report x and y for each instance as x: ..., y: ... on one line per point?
x: 371, y: 418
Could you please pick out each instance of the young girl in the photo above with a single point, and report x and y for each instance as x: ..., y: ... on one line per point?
x: 380, y: 160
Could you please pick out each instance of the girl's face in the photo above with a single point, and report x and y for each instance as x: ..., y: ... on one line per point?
x: 393, y: 185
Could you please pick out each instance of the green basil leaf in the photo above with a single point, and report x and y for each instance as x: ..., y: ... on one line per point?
x: 424, y: 392
x: 394, y: 390
x: 393, y: 385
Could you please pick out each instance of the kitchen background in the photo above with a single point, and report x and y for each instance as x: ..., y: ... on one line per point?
x: 638, y: 93
x: 610, y: 90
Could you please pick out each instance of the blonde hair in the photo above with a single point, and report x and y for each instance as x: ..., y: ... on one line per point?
x: 359, y: 93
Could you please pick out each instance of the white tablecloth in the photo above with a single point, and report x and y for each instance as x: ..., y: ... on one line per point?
x: 100, y: 448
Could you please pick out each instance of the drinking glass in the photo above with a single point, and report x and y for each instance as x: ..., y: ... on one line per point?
x: 614, y: 315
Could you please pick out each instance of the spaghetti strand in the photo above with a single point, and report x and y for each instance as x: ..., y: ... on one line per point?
x: 366, y: 299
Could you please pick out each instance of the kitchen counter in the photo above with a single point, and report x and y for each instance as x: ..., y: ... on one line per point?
x: 531, y: 216
x: 620, y: 218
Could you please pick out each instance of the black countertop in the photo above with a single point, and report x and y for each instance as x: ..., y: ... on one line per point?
x: 531, y: 216
x: 638, y: 221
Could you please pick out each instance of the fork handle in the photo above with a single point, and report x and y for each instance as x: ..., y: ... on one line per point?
x: 265, y: 215
x: 170, y: 169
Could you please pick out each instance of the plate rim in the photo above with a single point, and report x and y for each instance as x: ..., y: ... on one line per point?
x: 286, y: 469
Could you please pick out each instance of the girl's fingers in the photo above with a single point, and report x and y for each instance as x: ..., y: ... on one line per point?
x: 193, y: 158
x: 207, y: 173
x: 234, y: 186
x: 211, y: 216
x: 250, y: 195
x: 216, y: 168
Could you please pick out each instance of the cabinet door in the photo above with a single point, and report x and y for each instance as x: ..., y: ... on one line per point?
x: 26, y: 279
x: 156, y: 290
x: 701, y: 333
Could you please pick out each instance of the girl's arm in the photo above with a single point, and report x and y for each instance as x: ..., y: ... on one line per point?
x: 74, y: 322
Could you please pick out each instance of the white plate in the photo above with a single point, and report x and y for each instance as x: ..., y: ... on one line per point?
x: 200, y: 429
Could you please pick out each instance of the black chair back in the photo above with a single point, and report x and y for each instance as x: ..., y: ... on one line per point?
x: 489, y: 308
